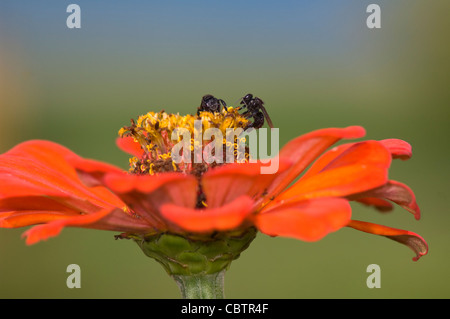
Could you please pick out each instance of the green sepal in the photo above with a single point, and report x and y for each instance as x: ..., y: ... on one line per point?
x: 181, y: 255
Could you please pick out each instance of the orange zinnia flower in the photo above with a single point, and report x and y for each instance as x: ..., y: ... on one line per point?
x: 45, y: 183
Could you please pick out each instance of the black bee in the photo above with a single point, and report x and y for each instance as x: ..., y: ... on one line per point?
x: 210, y: 104
x: 255, y: 110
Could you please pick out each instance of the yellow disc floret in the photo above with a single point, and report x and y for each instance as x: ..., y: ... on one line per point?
x: 156, y: 133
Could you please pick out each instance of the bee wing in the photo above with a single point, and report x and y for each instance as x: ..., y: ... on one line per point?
x: 266, y: 115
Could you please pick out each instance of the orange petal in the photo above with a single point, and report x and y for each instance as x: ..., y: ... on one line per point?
x: 394, y: 191
x: 223, y: 218
x: 25, y: 211
x: 46, y: 153
x: 378, y: 203
x: 361, y: 167
x: 130, y: 146
x: 398, y: 148
x: 59, y: 158
x: 145, y: 194
x: 53, y: 228
x: 43, y: 182
x: 410, y: 239
x: 124, y: 220
x: 326, y: 158
x: 91, y: 172
x: 181, y: 188
x: 38, y: 184
x: 123, y: 183
x: 225, y: 183
x: 32, y: 203
x: 308, y: 220
x: 40, y: 168
x: 16, y: 219
x: 303, y: 150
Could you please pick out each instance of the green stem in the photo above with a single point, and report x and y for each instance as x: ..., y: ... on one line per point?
x: 201, y: 286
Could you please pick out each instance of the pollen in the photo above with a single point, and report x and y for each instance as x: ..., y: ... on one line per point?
x: 158, y: 132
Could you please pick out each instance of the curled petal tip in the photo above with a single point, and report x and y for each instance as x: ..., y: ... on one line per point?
x: 412, y: 240
x: 394, y: 191
x: 398, y: 148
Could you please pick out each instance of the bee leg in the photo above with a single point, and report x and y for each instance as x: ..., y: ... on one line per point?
x: 247, y: 114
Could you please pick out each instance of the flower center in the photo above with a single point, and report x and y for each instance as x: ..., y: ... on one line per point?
x: 160, y: 134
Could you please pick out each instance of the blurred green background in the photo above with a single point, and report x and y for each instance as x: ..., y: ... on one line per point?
x: 314, y: 63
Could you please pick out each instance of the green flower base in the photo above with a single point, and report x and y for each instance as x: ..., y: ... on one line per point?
x: 197, y: 264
